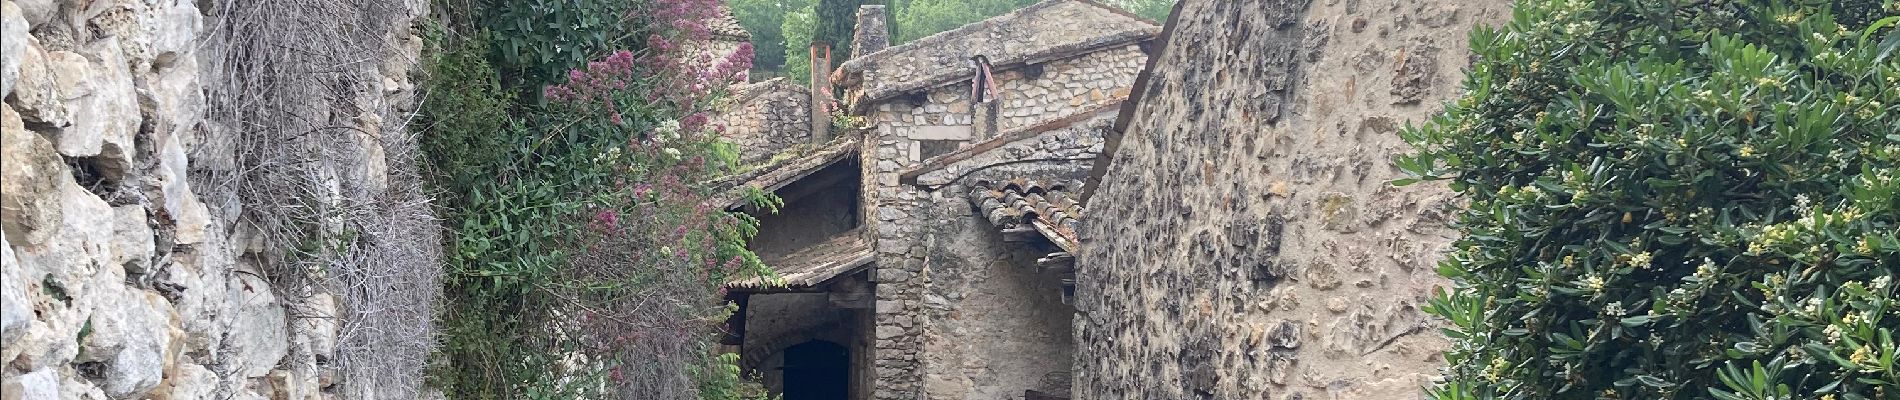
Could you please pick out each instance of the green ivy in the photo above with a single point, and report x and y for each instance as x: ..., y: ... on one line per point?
x: 1673, y: 200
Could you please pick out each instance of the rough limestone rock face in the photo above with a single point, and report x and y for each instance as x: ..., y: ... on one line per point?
x: 120, y: 278
x: 1245, y: 243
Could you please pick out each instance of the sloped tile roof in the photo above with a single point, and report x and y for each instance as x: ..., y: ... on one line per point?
x: 812, y: 266
x: 783, y: 172
x: 1049, y: 207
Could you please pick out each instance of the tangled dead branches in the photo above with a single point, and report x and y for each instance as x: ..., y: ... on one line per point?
x: 302, y: 94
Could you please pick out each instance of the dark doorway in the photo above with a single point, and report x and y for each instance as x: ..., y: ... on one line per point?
x: 817, y: 370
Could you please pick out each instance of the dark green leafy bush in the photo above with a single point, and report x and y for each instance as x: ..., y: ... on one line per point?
x: 535, y: 41
x: 1674, y: 200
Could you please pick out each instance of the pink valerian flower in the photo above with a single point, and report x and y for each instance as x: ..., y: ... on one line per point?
x: 608, y: 218
x: 596, y: 83
x: 693, y: 122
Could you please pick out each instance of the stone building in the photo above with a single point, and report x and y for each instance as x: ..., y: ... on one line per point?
x: 767, y: 119
x: 928, y: 253
x: 724, y: 37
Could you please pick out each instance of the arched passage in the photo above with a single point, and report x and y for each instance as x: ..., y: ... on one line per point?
x: 817, y: 370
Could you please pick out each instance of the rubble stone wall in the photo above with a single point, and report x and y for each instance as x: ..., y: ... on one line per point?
x: 944, y: 115
x: 777, y: 321
x: 1061, y: 88
x: 1245, y: 243
x: 126, y: 271
x: 1035, y: 33
x: 767, y: 118
x: 960, y: 313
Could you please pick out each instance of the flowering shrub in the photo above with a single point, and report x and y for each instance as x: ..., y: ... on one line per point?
x: 586, y: 259
x: 1673, y: 201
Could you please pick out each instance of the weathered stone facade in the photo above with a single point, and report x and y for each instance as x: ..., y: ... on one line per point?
x: 786, y: 319
x: 128, y: 267
x: 1244, y: 243
x: 962, y: 309
x: 962, y: 314
x: 724, y: 37
x: 1065, y: 87
x: 767, y: 118
x: 941, y: 120
x: 945, y: 119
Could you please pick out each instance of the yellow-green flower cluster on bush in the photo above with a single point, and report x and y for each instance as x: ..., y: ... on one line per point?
x: 1674, y: 200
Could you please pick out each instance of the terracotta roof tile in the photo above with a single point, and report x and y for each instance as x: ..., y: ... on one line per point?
x: 1049, y: 207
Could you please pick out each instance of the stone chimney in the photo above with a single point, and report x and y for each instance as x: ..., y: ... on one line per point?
x: 872, y: 34
x: 821, y: 98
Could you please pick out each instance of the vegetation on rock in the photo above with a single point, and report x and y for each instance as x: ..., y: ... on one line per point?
x: 1674, y: 201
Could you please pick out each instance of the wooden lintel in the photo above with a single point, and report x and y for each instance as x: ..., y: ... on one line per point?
x: 1057, y: 262
x: 1055, y: 236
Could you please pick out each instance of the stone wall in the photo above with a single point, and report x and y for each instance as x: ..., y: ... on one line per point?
x: 129, y: 266
x: 1244, y: 243
x: 777, y: 321
x: 943, y: 119
x: 989, y: 325
x: 1036, y: 33
x: 961, y: 314
x: 1064, y: 87
x: 942, y: 115
x: 767, y: 118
